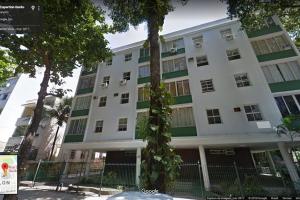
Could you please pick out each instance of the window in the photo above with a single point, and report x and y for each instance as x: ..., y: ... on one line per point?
x: 106, y: 79
x: 143, y: 94
x: 202, y: 60
x: 241, y: 80
x: 178, y: 88
x: 227, y: 34
x: 144, y: 71
x: 144, y: 52
x: 102, y: 102
x: 86, y: 82
x: 287, y: 104
x: 198, y: 41
x: 77, y: 126
x: 128, y: 57
x: 213, y: 116
x: 177, y: 44
x: 233, y: 54
x: 182, y: 117
x: 207, y: 86
x: 108, y: 61
x: 174, y: 65
x: 122, y: 124
x: 124, y: 98
x: 282, y: 72
x: 82, y: 103
x: 253, y: 113
x: 99, y: 126
x: 270, y: 45
x: 126, y: 76
x: 72, y: 154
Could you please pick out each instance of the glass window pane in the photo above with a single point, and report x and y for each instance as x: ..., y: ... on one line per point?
x: 291, y: 104
x: 282, y: 107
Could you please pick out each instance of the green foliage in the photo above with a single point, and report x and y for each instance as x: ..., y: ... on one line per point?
x: 71, y: 36
x: 253, y: 13
x: 250, y: 187
x: 292, y: 122
x: 60, y: 112
x: 133, y: 12
x: 160, y: 163
x: 7, y: 66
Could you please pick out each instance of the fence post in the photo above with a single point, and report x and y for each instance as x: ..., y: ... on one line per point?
x: 200, y: 175
x: 238, y: 178
x: 102, y: 173
x: 36, y: 172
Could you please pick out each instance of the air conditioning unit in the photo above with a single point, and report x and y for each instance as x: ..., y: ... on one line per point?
x: 228, y: 37
x: 173, y: 50
x: 104, y: 85
x: 123, y: 82
x: 198, y: 44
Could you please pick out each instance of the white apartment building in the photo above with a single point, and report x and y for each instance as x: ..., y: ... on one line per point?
x: 44, y: 137
x: 223, y: 81
x: 13, y: 93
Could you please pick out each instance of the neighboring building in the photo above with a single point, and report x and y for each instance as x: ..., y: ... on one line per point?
x: 43, y: 139
x: 224, y: 109
x: 13, y: 93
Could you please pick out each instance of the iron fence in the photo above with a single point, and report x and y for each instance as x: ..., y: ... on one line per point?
x: 224, y: 180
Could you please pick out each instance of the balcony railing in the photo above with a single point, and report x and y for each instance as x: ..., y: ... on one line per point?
x: 23, y: 121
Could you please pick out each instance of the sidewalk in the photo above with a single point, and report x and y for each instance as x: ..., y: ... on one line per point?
x: 48, y: 193
x: 44, y: 192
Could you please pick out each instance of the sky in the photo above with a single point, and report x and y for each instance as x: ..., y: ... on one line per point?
x: 194, y: 13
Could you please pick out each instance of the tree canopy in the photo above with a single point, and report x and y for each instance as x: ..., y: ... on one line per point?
x: 252, y: 14
x: 71, y: 36
x: 7, y: 66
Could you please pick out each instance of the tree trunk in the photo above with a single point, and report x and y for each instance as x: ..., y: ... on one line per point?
x: 54, y: 141
x: 26, y: 145
x: 154, y: 118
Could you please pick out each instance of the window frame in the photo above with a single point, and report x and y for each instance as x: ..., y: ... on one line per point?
x: 234, y: 56
x: 202, y: 63
x: 100, y: 126
x: 242, y: 83
x: 102, y: 103
x: 253, y: 113
x: 217, y: 119
x: 128, y: 57
x: 126, y: 76
x: 207, y: 85
x: 124, y: 98
x: 122, y: 126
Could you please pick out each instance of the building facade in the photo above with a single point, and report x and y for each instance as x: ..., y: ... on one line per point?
x: 44, y: 137
x: 13, y: 93
x: 225, y: 90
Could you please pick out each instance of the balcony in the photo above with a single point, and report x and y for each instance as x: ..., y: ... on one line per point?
x: 85, y: 91
x: 285, y: 86
x: 73, y: 138
x: 176, y: 100
x: 264, y: 31
x: 86, y: 72
x: 175, y: 74
x: 143, y: 80
x: 169, y: 53
x: 144, y: 59
x: 276, y: 55
x: 76, y: 113
x: 23, y: 121
x: 176, y: 132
